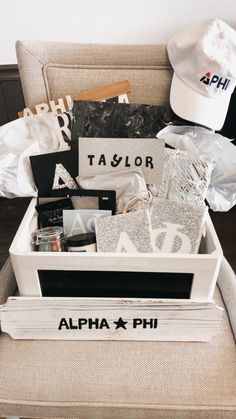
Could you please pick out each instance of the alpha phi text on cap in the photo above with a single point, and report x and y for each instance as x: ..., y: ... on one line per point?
x: 203, y: 57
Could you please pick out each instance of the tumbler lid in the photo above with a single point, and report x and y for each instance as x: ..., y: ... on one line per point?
x: 81, y: 239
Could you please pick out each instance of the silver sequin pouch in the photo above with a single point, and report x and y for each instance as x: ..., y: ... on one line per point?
x: 185, y: 177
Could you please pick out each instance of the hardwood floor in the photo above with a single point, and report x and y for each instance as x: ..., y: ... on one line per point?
x: 12, y: 211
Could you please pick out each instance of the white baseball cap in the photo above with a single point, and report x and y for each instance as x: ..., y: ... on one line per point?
x: 203, y: 57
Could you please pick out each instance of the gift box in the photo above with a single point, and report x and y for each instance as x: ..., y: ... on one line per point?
x: 195, y: 273
x: 144, y: 296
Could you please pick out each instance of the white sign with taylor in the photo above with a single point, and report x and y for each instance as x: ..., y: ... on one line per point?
x: 104, y: 155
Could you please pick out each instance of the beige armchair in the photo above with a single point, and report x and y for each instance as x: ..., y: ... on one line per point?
x: 113, y: 379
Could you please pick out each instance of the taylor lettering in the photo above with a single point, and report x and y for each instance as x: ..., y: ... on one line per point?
x: 116, y: 160
x: 96, y: 323
x: 103, y: 155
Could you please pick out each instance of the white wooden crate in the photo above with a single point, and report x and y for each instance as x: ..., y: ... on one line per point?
x: 32, y: 316
x: 26, y: 263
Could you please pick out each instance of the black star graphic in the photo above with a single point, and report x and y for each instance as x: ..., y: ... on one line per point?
x: 120, y: 323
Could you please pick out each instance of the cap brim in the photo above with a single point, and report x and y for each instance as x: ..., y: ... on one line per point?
x: 190, y: 105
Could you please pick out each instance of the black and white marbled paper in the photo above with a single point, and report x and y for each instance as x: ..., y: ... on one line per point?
x: 117, y: 120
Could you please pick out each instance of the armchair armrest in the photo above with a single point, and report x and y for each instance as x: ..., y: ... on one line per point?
x: 8, y: 284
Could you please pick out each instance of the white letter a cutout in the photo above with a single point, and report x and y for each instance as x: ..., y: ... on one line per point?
x: 61, y: 173
x: 77, y: 226
x: 125, y: 244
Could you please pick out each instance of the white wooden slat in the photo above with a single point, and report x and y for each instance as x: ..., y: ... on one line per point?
x: 96, y: 319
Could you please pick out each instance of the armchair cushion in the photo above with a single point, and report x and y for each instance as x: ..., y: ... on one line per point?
x: 118, y: 379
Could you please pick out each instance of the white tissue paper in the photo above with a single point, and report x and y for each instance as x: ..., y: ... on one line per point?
x: 20, y: 139
x: 221, y: 194
x: 130, y: 187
